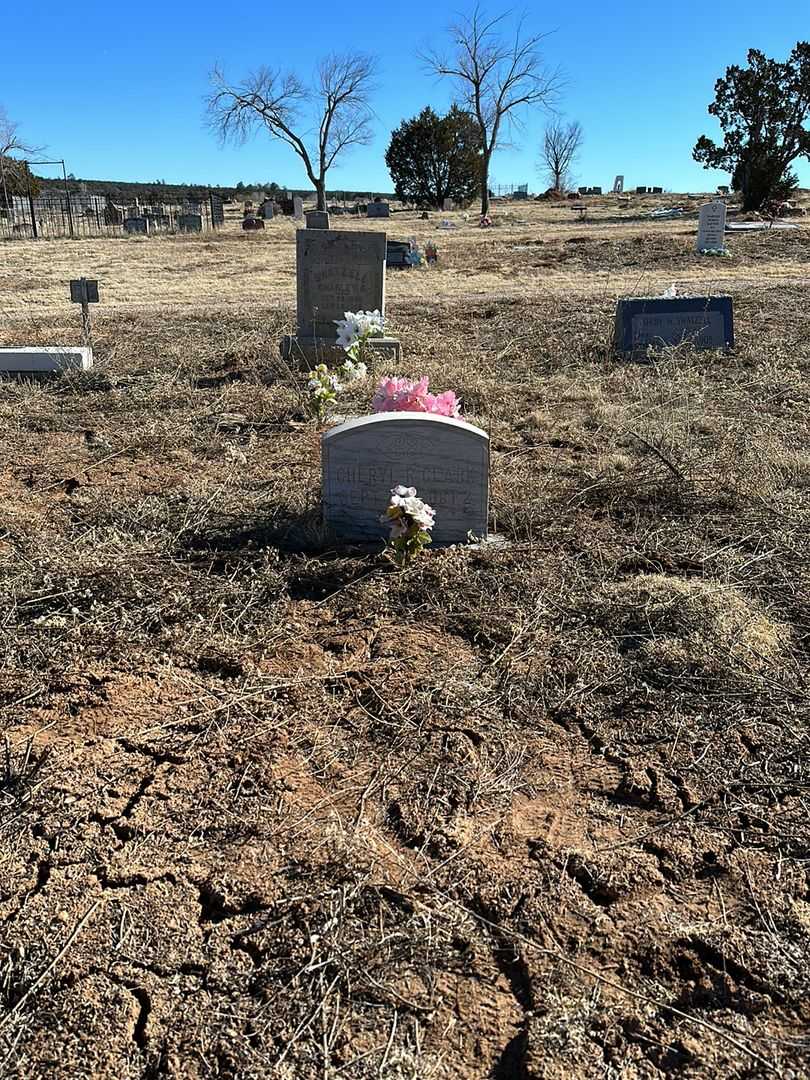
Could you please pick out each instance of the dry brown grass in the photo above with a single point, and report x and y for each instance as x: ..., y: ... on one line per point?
x: 534, y: 810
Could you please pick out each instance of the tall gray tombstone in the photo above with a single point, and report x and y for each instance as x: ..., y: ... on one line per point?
x: 446, y: 460
x: 712, y: 227
x: 298, y: 208
x: 336, y: 272
x: 618, y: 185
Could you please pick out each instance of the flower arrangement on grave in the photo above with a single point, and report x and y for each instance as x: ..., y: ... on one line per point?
x: 355, y: 330
x: 396, y: 394
x: 324, y: 385
x: 410, y: 521
x: 721, y: 252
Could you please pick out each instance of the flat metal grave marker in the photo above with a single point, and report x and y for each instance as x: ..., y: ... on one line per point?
x: 84, y: 291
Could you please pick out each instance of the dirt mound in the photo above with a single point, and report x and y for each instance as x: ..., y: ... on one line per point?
x: 688, y: 625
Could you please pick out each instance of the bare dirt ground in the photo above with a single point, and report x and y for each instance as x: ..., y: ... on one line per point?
x: 533, y: 810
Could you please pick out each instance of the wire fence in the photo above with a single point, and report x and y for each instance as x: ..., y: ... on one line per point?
x: 515, y: 191
x: 60, y: 215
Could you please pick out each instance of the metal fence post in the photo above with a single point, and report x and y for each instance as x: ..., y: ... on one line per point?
x: 67, y: 196
x: 33, y: 213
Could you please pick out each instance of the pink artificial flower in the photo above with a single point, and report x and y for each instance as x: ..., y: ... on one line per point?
x: 402, y: 395
x: 445, y: 404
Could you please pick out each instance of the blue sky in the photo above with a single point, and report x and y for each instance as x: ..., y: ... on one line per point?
x: 117, y: 89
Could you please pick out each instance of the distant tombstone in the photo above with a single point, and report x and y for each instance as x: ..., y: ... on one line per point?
x: 336, y: 272
x: 189, y: 222
x: 397, y: 254
x: 449, y: 204
x: 641, y: 190
x: 707, y: 322
x: 378, y: 210
x: 267, y: 210
x: 136, y: 225
x: 113, y: 215
x: 446, y: 460
x: 298, y: 208
x: 582, y: 191
x: 317, y: 219
x: 217, y: 210
x: 711, y: 234
x: 618, y: 185
x: 658, y: 191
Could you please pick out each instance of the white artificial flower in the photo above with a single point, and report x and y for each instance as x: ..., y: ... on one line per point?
x: 353, y: 371
x: 348, y: 330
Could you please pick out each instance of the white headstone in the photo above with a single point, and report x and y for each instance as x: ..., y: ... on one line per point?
x: 46, y: 359
x: 446, y: 460
x: 448, y: 204
x: 712, y: 227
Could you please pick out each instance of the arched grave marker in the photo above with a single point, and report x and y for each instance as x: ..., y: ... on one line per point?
x: 446, y: 460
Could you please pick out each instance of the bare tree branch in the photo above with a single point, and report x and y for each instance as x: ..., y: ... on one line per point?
x: 561, y: 144
x: 11, y: 142
x: 318, y: 122
x: 498, y: 77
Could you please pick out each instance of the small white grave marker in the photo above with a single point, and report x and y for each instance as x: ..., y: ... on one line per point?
x: 712, y: 227
x: 37, y: 359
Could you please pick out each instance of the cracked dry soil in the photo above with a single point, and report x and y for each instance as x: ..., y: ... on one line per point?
x: 533, y: 811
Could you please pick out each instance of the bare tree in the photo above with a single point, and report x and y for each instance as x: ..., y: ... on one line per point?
x: 498, y: 77
x: 11, y: 143
x: 561, y: 144
x: 319, y: 121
